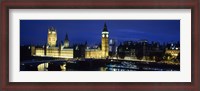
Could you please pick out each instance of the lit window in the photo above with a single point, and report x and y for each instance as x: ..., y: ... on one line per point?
x: 111, y: 41
x: 76, y: 47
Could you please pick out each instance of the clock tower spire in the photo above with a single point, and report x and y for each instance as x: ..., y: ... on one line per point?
x: 104, y: 42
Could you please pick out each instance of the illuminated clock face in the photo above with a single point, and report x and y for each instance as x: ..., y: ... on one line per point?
x: 103, y: 35
x: 106, y: 35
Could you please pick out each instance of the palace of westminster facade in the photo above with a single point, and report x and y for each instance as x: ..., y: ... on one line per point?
x: 64, y: 51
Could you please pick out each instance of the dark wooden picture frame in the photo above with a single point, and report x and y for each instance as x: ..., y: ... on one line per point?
x: 89, y: 4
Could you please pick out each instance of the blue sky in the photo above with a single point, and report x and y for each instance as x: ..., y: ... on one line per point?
x: 34, y: 32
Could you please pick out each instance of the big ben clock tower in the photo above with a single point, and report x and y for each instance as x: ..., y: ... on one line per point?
x: 104, y: 42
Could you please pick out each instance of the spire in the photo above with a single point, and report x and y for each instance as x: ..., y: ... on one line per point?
x: 66, y: 37
x: 66, y: 42
x: 52, y: 28
x: 105, y: 28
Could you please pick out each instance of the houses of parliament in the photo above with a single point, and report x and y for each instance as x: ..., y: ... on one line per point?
x: 53, y: 49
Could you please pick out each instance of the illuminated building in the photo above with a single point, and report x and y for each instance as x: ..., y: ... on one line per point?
x: 93, y: 53
x: 51, y: 50
x: 52, y: 37
x: 104, y: 42
x: 103, y: 52
x: 173, y: 49
x: 63, y: 50
x: 173, y: 53
x: 39, y: 51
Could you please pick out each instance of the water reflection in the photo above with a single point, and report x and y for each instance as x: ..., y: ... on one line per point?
x: 43, y: 67
x: 103, y: 68
x: 49, y: 66
x: 95, y: 65
x: 63, y: 67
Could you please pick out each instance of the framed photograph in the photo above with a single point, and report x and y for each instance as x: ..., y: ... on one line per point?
x: 100, y: 45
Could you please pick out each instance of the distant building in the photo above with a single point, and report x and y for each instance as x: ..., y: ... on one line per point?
x: 174, y: 53
x: 141, y: 50
x: 112, y: 47
x: 173, y: 49
x: 127, y: 50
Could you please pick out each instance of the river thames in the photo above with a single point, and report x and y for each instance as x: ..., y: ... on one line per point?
x: 95, y: 65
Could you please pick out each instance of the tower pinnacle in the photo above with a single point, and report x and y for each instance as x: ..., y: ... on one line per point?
x: 66, y: 42
x: 66, y: 36
x: 105, y: 28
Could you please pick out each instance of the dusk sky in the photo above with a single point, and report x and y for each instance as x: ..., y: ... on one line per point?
x: 34, y: 32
